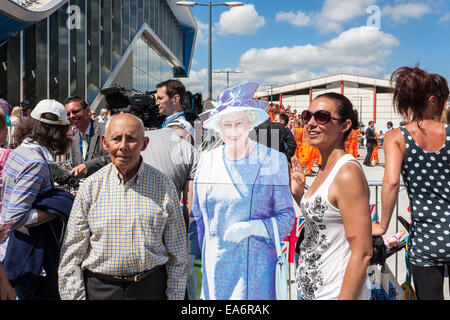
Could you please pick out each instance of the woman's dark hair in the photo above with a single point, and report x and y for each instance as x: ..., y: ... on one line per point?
x: 53, y: 137
x: 413, y: 87
x: 344, y: 109
x: 3, y: 123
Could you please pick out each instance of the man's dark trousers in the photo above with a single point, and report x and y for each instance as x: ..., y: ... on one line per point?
x: 371, y: 144
x: 370, y: 148
x: 153, y: 287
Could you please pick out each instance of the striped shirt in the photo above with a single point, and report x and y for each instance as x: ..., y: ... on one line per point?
x: 122, y: 229
x: 25, y: 176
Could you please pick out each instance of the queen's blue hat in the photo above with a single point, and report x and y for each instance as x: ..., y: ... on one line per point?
x: 235, y: 99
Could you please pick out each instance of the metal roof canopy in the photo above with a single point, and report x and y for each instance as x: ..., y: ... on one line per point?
x: 14, y: 17
x: 284, y: 89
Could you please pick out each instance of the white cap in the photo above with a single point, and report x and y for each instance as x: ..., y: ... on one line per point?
x: 184, y: 125
x: 50, y: 106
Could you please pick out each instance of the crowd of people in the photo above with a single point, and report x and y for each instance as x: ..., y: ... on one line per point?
x: 150, y: 203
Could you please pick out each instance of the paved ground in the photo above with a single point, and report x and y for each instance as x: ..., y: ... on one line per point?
x: 374, y: 176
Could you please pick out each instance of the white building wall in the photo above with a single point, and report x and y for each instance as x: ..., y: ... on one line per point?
x: 361, y: 97
x: 362, y: 100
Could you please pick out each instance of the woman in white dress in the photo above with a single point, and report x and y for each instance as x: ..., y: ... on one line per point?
x: 337, y: 246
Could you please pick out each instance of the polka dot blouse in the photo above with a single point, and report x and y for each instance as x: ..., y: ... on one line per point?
x: 427, y: 179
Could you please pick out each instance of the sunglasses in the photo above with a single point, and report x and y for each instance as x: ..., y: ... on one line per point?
x: 74, y: 111
x: 322, y: 116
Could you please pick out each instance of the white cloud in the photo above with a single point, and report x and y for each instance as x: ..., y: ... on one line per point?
x: 405, y: 11
x: 202, y: 33
x: 197, y: 81
x: 299, y: 19
x: 363, y: 51
x: 337, y: 12
x: 240, y: 20
x: 445, y: 18
x: 359, y: 50
x: 331, y: 18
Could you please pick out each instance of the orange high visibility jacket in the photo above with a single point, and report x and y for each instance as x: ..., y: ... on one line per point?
x: 306, y: 153
x: 298, y: 133
x: 375, y: 152
x: 351, y: 144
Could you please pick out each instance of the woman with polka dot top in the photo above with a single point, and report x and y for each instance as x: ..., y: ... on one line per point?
x: 420, y: 152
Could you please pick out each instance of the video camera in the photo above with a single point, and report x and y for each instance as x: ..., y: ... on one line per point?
x: 192, y: 106
x: 143, y: 104
x: 63, y: 178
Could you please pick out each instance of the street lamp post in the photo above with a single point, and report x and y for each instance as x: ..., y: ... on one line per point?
x: 210, y: 5
x: 360, y: 110
x: 271, y: 89
x: 360, y: 107
x: 228, y: 74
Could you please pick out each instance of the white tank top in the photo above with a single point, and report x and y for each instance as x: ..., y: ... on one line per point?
x: 324, y: 251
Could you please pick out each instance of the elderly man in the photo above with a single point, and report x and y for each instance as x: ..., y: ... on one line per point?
x: 86, y: 154
x: 126, y: 237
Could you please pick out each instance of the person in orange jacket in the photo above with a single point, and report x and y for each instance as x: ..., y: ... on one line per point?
x: 351, y: 144
x: 298, y: 133
x: 317, y: 157
x: 375, y: 151
x: 307, y: 154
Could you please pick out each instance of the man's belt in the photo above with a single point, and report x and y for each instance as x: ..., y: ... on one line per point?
x: 124, y: 279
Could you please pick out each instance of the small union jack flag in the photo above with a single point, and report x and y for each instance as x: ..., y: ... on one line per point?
x: 288, y: 244
x: 374, y: 213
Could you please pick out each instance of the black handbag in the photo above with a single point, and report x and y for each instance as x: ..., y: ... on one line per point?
x: 379, y: 251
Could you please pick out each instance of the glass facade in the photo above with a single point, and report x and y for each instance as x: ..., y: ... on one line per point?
x: 148, y: 67
x: 77, y: 49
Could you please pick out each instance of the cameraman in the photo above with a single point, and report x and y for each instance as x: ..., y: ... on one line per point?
x: 169, y: 100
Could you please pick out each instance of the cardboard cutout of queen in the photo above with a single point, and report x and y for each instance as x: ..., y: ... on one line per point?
x: 238, y: 187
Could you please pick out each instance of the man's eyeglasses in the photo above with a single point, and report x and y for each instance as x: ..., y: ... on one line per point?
x: 322, y: 116
x: 74, y: 112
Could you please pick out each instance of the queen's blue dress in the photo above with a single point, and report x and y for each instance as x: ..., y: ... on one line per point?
x: 229, y: 191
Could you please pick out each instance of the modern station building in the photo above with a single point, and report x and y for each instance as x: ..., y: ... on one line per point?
x: 372, y: 97
x: 58, y: 48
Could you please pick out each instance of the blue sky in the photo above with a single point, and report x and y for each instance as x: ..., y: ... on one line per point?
x: 287, y: 41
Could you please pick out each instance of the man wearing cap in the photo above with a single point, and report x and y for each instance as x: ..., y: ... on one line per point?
x: 86, y: 153
x: 27, y: 178
x: 126, y: 238
x: 169, y: 100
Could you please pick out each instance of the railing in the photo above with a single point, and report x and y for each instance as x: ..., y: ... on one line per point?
x: 375, y: 198
x: 401, y: 206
